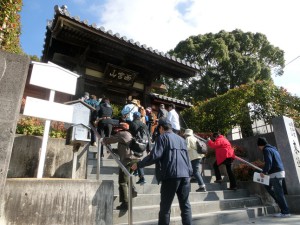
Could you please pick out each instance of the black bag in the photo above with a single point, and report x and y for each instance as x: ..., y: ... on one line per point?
x: 140, y: 141
x: 201, y: 147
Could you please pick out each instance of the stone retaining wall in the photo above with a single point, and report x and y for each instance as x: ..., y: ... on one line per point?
x: 57, y: 201
x: 58, y: 164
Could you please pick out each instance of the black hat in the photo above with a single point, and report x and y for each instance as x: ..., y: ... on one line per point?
x: 261, y: 141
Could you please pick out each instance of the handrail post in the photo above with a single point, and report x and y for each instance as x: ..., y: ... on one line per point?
x: 98, y: 157
x: 130, y: 219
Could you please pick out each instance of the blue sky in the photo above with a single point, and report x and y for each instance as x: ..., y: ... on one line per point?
x: 161, y: 24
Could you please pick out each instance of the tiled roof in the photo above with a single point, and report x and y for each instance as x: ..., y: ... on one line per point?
x: 169, y: 99
x: 64, y: 11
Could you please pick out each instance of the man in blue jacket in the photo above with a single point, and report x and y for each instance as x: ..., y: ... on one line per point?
x: 274, y: 168
x: 173, y: 170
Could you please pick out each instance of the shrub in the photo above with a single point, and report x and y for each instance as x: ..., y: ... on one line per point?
x: 244, y: 172
x: 35, y: 126
x: 240, y: 151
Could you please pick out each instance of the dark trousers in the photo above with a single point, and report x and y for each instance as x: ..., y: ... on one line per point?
x: 104, y: 129
x: 181, y: 187
x: 227, y: 162
x: 124, y: 182
x: 275, y: 189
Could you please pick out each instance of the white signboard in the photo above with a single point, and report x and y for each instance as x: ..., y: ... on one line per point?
x: 81, y: 114
x: 293, y: 140
x: 48, y: 110
x: 53, y: 77
x: 265, y: 180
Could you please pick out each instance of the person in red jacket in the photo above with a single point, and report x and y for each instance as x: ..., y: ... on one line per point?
x: 224, y: 155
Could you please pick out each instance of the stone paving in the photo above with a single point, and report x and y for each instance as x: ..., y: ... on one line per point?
x: 268, y: 220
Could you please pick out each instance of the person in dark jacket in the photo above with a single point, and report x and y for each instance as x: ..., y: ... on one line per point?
x: 123, y: 138
x: 133, y: 129
x: 104, y: 120
x: 173, y: 170
x: 274, y: 168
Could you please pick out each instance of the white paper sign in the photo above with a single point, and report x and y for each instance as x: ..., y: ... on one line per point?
x: 265, y: 180
x: 48, y: 110
x: 53, y: 77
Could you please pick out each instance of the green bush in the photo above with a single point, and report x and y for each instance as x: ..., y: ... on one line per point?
x: 244, y: 172
x: 35, y: 126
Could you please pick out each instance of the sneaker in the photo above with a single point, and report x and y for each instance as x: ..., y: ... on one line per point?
x: 135, y: 173
x: 201, y: 189
x: 123, y: 206
x: 134, y: 194
x: 218, y: 181
x: 141, y: 181
x: 94, y: 144
x: 281, y: 215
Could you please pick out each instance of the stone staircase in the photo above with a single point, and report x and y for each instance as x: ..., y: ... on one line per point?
x: 214, y: 207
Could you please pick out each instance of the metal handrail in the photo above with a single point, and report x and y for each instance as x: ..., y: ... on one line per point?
x: 116, y: 158
x: 236, y: 157
x: 248, y: 163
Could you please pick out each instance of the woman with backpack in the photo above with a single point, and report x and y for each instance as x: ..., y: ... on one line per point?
x: 195, y: 158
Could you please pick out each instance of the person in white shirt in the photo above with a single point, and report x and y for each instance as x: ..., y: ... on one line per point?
x: 173, y: 118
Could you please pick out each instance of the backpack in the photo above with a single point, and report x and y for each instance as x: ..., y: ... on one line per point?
x: 140, y: 141
x: 201, y: 147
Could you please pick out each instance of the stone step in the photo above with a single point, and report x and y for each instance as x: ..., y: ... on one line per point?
x: 154, y: 199
x: 112, y: 173
x: 151, y: 185
x: 197, y: 207
x: 216, y: 218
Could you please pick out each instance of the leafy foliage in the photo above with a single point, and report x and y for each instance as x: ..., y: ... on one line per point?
x: 244, y: 172
x: 240, y: 151
x: 35, y: 126
x: 227, y: 60
x: 10, y: 28
x: 224, y: 112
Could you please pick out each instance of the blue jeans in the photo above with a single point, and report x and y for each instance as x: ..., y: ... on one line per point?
x: 275, y: 189
x: 196, y: 164
x: 141, y: 172
x: 181, y: 187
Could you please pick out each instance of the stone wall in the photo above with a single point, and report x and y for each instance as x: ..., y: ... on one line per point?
x: 13, y: 73
x: 57, y: 201
x: 250, y: 145
x: 58, y: 164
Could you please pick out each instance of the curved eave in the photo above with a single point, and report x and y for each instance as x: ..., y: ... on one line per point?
x: 63, y: 22
x: 170, y: 100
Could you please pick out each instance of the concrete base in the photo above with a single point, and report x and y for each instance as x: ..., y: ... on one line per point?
x: 57, y: 201
x: 59, y: 158
x: 293, y: 203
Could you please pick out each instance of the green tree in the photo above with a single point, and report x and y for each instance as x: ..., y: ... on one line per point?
x: 225, y: 111
x: 10, y: 28
x: 227, y: 60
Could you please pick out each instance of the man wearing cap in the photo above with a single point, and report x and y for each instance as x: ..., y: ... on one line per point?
x: 123, y: 138
x: 195, y: 158
x: 129, y: 109
x: 274, y: 168
x: 173, y: 169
